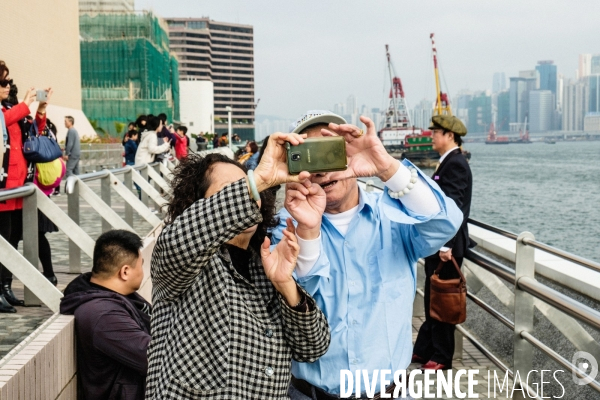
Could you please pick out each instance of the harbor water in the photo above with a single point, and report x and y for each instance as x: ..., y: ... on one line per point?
x: 550, y: 190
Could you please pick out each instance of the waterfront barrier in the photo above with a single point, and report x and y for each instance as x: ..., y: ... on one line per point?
x: 527, y: 294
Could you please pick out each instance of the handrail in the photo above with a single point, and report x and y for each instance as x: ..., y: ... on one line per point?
x: 18, y: 192
x: 558, y: 358
x: 564, y: 303
x: 492, y: 266
x: 563, y: 254
x: 492, y: 228
x: 491, y: 310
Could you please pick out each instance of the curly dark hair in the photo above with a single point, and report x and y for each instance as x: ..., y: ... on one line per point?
x: 191, y: 180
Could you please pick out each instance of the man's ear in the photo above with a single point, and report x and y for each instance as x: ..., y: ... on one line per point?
x: 125, y: 272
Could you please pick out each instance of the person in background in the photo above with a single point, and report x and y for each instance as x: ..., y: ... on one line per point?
x: 359, y: 251
x: 14, y: 172
x: 254, y: 160
x: 148, y: 147
x: 112, y: 321
x: 201, y: 141
x: 223, y: 141
x: 250, y: 149
x: 434, y: 347
x: 45, y: 225
x: 215, y: 141
x: 130, y: 128
x: 72, y: 147
x: 140, y: 123
x: 181, y: 144
x: 164, y: 132
x: 131, y: 146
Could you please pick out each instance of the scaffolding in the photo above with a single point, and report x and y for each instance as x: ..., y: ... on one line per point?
x: 126, y: 69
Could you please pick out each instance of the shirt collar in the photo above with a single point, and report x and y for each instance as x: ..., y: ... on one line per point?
x: 446, y: 153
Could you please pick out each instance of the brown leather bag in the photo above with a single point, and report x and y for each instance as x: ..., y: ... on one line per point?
x: 448, y: 301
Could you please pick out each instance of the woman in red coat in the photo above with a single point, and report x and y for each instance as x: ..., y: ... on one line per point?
x: 13, y: 172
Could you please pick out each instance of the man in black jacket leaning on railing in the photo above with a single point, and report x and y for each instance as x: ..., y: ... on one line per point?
x: 112, y: 321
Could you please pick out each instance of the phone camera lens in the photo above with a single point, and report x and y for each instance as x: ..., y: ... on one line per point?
x: 296, y: 157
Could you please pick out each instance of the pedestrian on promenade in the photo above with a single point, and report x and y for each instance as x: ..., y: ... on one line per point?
x: 72, y: 147
x: 130, y: 129
x: 434, y: 346
x: 181, y: 144
x: 201, y: 142
x: 148, y: 147
x: 47, y: 178
x: 13, y: 173
x: 223, y: 141
x: 131, y: 146
x: 250, y: 149
x: 358, y: 254
x: 164, y: 132
x: 140, y: 123
x: 229, y: 317
x: 112, y: 321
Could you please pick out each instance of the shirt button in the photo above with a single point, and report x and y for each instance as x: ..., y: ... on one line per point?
x: 269, y: 371
x: 355, y: 322
x: 346, y: 242
x: 354, y: 361
x: 269, y: 333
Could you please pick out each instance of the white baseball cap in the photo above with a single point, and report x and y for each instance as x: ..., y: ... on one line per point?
x: 314, y: 117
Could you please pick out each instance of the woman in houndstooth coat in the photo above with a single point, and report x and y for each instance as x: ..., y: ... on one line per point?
x: 228, y: 315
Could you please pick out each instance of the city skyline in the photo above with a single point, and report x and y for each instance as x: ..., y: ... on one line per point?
x: 302, y: 63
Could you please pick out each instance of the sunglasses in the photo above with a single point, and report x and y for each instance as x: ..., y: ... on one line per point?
x: 5, y: 82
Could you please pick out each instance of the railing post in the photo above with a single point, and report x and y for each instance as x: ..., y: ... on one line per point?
x: 30, y: 241
x: 129, y: 185
x: 73, y: 212
x: 524, y: 308
x: 105, y: 196
x: 144, y: 173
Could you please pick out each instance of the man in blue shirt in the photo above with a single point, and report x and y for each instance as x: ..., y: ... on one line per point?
x: 358, y: 254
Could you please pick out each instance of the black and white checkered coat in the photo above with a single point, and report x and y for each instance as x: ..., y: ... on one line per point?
x: 214, y: 334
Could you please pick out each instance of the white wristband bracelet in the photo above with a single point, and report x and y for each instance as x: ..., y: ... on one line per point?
x: 414, y: 176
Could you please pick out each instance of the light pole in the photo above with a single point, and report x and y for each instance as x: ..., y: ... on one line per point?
x: 229, y: 125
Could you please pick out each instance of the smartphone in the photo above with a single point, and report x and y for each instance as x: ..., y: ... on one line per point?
x: 320, y: 154
x: 41, y: 95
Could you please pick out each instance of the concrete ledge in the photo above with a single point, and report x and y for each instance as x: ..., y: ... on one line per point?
x: 566, y: 273
x: 43, y: 365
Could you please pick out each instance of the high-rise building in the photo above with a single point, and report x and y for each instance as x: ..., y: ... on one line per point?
x: 503, y: 113
x: 585, y: 65
x: 541, y: 107
x: 499, y: 82
x: 533, y: 77
x: 593, y: 85
x: 480, y: 113
x: 351, y: 104
x: 575, y: 105
x: 421, y: 114
x: 93, y: 6
x: 595, y: 64
x: 223, y: 53
x: 548, y: 75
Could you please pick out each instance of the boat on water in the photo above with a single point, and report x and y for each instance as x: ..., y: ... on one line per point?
x: 492, y: 138
x: 523, y: 137
x: 400, y: 138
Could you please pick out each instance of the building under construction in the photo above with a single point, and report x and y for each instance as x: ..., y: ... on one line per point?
x: 126, y: 69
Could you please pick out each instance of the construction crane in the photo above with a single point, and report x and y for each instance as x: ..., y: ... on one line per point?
x: 442, y: 105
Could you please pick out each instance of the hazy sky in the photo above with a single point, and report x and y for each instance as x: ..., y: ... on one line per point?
x: 311, y: 54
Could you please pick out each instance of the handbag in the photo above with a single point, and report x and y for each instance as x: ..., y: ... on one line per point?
x: 50, y: 174
x: 40, y: 149
x: 448, y: 297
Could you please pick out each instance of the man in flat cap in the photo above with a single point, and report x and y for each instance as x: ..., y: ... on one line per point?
x: 434, y: 347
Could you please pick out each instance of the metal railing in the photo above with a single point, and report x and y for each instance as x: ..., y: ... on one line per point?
x: 528, y: 295
x: 25, y: 267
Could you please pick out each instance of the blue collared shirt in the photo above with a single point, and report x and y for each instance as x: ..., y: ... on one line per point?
x: 365, y: 283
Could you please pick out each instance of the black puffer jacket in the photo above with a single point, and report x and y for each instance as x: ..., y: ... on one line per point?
x: 113, y: 333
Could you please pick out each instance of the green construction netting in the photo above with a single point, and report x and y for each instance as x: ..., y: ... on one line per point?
x: 126, y: 69
x: 120, y: 26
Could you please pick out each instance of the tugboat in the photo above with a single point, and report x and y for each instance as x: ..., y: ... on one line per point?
x: 523, y: 137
